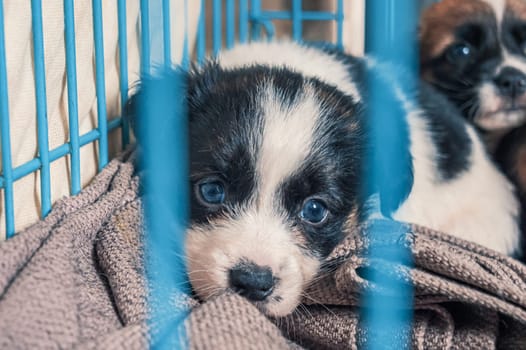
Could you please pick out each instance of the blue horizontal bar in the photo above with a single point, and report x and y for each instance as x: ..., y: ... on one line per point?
x: 115, y: 123
x: 57, y: 153
x: 305, y: 16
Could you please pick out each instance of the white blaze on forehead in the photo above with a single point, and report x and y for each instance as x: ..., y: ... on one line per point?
x: 287, y: 138
x: 310, y: 62
x: 499, y: 7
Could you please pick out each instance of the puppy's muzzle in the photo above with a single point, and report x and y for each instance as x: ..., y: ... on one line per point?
x: 511, y: 82
x: 253, y: 282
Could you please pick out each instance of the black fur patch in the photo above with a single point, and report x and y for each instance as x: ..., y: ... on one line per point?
x: 514, y: 34
x: 448, y: 132
x: 332, y: 170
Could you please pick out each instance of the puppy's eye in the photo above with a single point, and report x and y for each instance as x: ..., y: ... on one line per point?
x: 459, y: 53
x: 211, y: 191
x: 519, y: 34
x: 314, y: 211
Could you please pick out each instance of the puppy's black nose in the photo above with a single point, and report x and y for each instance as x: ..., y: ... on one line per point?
x: 252, y: 281
x: 511, y: 82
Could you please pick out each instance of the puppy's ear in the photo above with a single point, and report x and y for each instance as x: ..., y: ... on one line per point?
x: 157, y: 115
x: 200, y: 85
x: 158, y: 98
x: 129, y: 112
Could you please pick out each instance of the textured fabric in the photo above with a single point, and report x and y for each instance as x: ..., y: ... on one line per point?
x: 75, y: 280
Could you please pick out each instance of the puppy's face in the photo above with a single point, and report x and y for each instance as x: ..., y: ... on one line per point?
x: 475, y: 52
x: 275, y: 163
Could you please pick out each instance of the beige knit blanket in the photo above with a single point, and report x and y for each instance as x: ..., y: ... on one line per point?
x: 75, y: 280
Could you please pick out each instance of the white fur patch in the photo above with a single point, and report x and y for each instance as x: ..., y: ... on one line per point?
x: 310, y: 62
x: 499, y: 7
x: 477, y: 206
x: 489, y: 115
x: 257, y: 236
x: 492, y: 114
x: 513, y: 61
x: 287, y: 137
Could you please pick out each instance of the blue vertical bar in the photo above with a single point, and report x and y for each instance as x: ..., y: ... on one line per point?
x: 5, y: 133
x: 230, y: 23
x: 297, y: 24
x: 217, y: 30
x: 391, y: 35
x: 340, y: 17
x: 40, y: 92
x: 164, y: 135
x: 102, y: 117
x: 167, y: 50
x: 391, y: 32
x: 71, y: 73
x: 145, y: 37
x: 201, y: 34
x: 255, y: 17
x: 243, y: 21
x: 123, y: 67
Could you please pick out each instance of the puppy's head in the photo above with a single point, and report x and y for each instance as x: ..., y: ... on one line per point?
x: 475, y: 52
x: 275, y: 165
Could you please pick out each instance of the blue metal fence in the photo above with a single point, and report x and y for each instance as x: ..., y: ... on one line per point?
x: 254, y: 23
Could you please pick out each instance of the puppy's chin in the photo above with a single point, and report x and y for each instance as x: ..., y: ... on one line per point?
x: 499, y: 114
x: 501, y: 120
x: 213, y: 250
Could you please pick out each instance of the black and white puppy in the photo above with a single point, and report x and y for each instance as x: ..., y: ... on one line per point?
x: 278, y: 144
x: 474, y: 51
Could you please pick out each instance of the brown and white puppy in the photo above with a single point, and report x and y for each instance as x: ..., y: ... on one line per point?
x: 474, y: 51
